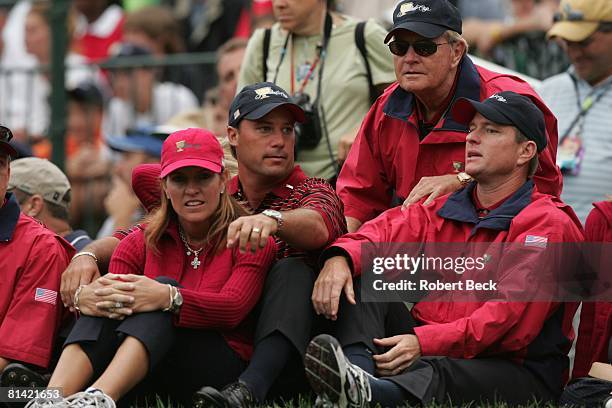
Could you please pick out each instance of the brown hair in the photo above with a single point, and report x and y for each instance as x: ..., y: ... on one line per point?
x: 227, y: 211
x: 43, y: 9
x: 159, y: 24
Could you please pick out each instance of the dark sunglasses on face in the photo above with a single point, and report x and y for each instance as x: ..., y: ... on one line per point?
x: 5, y: 134
x: 424, y: 48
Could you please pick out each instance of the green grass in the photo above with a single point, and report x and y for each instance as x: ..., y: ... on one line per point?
x: 306, y: 403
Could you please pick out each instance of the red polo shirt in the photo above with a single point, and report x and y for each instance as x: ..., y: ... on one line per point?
x: 32, y: 260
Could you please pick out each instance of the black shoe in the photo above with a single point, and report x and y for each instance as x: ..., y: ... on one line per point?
x: 18, y: 375
x: 234, y: 395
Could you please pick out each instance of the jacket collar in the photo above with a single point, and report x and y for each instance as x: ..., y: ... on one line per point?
x: 9, y: 215
x: 400, y: 104
x: 282, y: 189
x: 460, y: 207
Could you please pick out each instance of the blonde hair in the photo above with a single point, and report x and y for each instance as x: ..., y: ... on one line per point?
x: 43, y: 9
x: 227, y: 211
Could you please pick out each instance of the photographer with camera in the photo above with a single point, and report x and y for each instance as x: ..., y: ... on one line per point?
x: 318, y: 56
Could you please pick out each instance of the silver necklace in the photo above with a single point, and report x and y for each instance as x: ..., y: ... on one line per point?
x: 189, y: 250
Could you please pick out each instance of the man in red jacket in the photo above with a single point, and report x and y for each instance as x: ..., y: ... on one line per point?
x: 32, y: 259
x: 512, y: 350
x: 410, y: 145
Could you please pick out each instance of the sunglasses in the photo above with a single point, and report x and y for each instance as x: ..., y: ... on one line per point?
x: 424, y: 48
x: 5, y: 134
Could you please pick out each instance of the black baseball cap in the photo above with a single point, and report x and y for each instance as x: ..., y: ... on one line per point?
x: 428, y: 18
x: 506, y: 108
x: 86, y: 93
x: 5, y: 136
x: 256, y: 101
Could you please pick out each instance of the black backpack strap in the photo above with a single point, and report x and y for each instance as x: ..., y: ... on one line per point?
x: 266, y: 51
x: 361, y: 45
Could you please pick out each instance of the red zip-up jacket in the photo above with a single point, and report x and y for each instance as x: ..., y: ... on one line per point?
x: 388, y: 159
x: 219, y: 295
x: 595, y: 329
x: 535, y: 334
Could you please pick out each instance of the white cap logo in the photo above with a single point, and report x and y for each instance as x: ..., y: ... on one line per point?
x: 266, y: 91
x: 237, y: 113
x: 498, y: 97
x: 408, y: 7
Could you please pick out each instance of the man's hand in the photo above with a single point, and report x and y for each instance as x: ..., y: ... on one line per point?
x: 135, y: 293
x: 81, y: 270
x: 434, y: 187
x: 253, y: 229
x: 334, y: 278
x: 405, y: 349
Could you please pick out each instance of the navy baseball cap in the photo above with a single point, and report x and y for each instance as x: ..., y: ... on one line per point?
x: 144, y: 140
x: 506, y: 108
x: 256, y: 101
x: 5, y: 136
x: 428, y: 18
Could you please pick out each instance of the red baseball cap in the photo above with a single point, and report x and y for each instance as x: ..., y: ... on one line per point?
x: 191, y: 147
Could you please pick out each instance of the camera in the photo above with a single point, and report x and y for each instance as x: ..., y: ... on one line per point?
x: 307, y: 134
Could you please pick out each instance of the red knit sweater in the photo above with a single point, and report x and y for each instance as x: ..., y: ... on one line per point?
x: 219, y: 295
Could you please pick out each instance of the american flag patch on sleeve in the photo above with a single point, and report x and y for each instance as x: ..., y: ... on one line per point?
x: 535, y: 240
x: 45, y: 295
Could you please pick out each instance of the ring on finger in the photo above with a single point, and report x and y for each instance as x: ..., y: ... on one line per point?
x: 118, y: 305
x: 256, y: 230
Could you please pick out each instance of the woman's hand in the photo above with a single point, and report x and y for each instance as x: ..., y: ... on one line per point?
x: 88, y: 301
x: 129, y: 294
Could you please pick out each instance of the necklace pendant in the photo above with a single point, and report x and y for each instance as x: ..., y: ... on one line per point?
x: 196, y: 262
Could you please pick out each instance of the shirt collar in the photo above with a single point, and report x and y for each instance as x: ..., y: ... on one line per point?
x: 9, y: 215
x: 460, y: 207
x: 282, y: 189
x: 400, y: 104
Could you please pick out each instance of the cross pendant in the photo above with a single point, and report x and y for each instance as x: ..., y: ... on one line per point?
x: 196, y: 262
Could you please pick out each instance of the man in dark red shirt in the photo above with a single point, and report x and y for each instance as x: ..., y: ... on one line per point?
x: 303, y: 214
x: 460, y: 347
x: 32, y: 259
x: 410, y: 146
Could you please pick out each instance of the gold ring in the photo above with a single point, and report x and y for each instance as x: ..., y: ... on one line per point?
x: 256, y: 230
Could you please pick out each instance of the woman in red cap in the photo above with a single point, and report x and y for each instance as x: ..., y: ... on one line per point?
x: 176, y: 301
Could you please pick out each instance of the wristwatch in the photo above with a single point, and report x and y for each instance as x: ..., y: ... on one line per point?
x: 276, y: 215
x: 177, y: 301
x: 464, y: 178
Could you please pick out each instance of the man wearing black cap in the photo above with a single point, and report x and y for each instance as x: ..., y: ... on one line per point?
x: 304, y: 215
x: 511, y: 350
x: 410, y: 146
x: 32, y: 259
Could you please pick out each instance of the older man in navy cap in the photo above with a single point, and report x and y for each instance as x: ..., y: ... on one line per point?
x: 467, y: 349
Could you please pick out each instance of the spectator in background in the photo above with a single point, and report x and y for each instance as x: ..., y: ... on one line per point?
x: 123, y: 207
x: 88, y: 163
x: 208, y: 24
x: 581, y: 99
x: 32, y: 259
x: 295, y: 62
x: 98, y: 28
x: 519, y: 41
x: 43, y: 192
x: 139, y: 99
x: 409, y: 146
x: 213, y: 114
x: 157, y: 29
x: 31, y: 107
